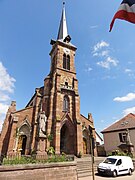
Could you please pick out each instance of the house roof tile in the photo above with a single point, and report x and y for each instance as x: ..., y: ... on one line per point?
x: 126, y: 122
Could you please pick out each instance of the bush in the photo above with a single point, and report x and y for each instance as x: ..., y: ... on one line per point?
x: 33, y: 160
x: 50, y: 151
x: 18, y: 160
x: 120, y: 153
x: 56, y: 158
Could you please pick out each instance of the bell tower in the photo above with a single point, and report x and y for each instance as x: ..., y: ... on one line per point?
x: 62, y: 97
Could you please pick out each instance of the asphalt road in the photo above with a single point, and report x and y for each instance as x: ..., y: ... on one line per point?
x: 123, y: 177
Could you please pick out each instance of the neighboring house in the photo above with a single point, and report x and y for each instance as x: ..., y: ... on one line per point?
x: 100, y: 145
x: 120, y: 135
x: 99, y: 140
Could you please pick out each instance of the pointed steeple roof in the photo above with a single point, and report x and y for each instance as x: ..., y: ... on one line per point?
x: 63, y: 36
x: 63, y: 32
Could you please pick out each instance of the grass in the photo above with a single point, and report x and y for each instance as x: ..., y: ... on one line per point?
x: 32, y: 160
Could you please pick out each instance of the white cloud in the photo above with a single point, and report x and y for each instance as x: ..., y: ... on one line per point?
x: 129, y: 110
x: 6, y: 81
x: 108, y: 62
x: 93, y: 27
x: 128, y: 97
x: 101, y: 50
x: 6, y: 88
x: 4, y: 97
x: 130, y: 72
x: 1, y: 122
x: 101, y: 54
x: 109, y: 77
x: 130, y: 62
x: 102, y: 121
x: 105, y: 53
x: 88, y: 69
x: 3, y: 108
x: 100, y: 45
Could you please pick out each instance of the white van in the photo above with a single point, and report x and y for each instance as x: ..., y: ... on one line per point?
x: 116, y: 165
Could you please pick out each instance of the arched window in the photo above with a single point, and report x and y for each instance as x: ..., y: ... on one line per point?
x: 66, y: 103
x: 64, y: 61
x: 68, y: 62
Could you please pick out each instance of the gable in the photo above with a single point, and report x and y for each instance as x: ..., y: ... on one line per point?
x: 127, y: 122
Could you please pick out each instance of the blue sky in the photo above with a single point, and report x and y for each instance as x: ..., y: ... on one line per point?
x: 105, y: 62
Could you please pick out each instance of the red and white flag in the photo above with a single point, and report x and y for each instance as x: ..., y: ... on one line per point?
x: 126, y: 12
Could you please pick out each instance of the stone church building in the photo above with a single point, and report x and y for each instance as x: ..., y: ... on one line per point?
x: 52, y: 116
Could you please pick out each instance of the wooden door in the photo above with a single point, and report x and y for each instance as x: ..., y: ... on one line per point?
x: 84, y: 146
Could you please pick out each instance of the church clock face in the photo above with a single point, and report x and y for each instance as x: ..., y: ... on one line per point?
x: 67, y: 51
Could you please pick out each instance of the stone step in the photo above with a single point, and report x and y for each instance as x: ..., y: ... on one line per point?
x: 86, y: 165
x: 85, y: 174
x: 84, y: 168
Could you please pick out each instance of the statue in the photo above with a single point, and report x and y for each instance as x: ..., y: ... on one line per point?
x: 130, y: 146
x: 128, y: 141
x: 42, y: 124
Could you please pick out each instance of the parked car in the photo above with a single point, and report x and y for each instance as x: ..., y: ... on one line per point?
x: 116, y: 165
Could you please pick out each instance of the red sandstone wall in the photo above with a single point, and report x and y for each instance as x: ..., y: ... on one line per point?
x: 61, y: 171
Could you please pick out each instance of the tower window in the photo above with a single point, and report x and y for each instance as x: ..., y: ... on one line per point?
x: 66, y: 103
x: 66, y: 62
x: 66, y: 84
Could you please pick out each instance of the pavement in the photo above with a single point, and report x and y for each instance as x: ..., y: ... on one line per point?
x: 100, y: 159
x: 122, y: 177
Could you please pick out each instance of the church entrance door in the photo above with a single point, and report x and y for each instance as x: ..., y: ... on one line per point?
x: 84, y: 146
x: 24, y: 140
x: 22, y: 144
x: 66, y: 141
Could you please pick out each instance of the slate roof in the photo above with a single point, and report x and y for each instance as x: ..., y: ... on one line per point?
x: 63, y: 32
x: 127, y: 122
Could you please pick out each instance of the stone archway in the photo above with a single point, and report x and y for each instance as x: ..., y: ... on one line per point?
x: 67, y: 138
x: 23, y: 139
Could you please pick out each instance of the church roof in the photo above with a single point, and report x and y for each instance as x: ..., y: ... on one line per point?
x: 63, y: 32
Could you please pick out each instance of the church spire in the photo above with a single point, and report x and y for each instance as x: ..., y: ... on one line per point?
x: 63, y: 33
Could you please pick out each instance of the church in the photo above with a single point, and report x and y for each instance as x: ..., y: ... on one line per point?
x: 52, y: 116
